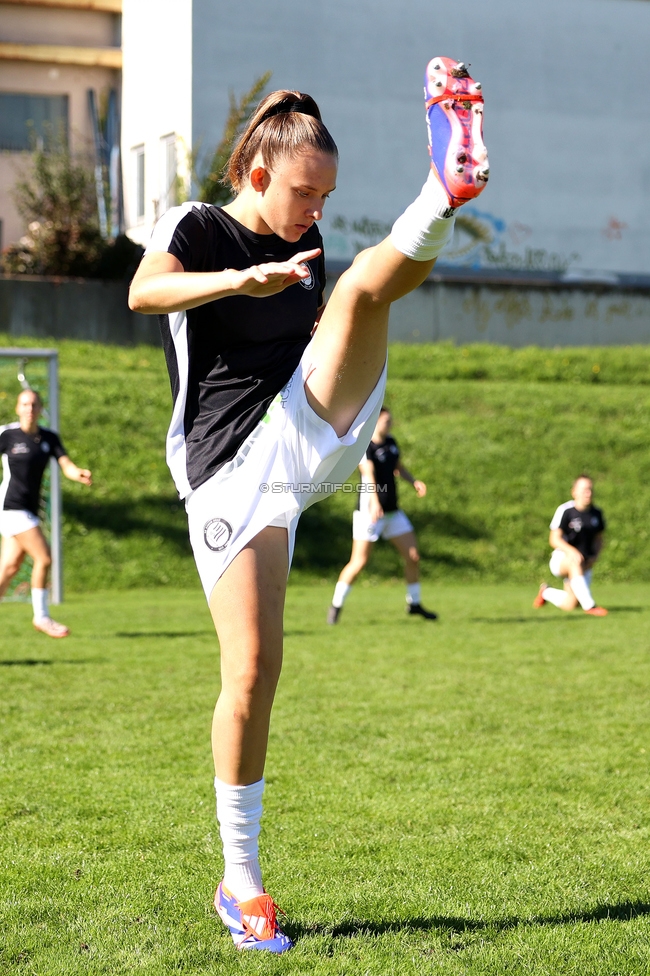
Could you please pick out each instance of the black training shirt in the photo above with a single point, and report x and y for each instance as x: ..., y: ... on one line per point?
x: 24, y: 459
x: 579, y: 529
x: 385, y: 458
x: 229, y: 358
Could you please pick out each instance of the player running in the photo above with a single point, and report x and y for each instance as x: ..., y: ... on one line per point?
x: 26, y: 449
x: 258, y: 401
x: 378, y: 516
x: 577, y: 539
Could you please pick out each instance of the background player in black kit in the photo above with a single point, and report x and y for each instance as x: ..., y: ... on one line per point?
x: 378, y: 516
x: 26, y: 450
x: 577, y: 539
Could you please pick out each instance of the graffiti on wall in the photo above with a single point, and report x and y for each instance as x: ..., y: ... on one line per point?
x: 480, y: 240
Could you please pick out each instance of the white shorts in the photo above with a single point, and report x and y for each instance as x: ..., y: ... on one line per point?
x: 555, y: 563
x: 291, y: 460
x: 388, y: 527
x: 12, y: 523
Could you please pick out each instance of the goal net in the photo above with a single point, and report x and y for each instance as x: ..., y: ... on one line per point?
x: 36, y: 369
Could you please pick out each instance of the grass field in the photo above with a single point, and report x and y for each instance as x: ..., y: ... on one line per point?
x: 466, y: 797
x: 498, y: 434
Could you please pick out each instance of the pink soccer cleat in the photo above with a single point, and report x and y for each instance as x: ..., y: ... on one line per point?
x: 597, y: 612
x: 539, y: 600
x: 51, y: 627
x: 454, y: 104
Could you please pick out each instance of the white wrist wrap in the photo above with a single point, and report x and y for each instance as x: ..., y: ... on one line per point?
x: 427, y: 225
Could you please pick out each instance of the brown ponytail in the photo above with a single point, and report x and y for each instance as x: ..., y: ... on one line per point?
x: 284, y: 124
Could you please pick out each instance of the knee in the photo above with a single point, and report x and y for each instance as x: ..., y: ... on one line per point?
x: 254, y: 683
x: 11, y: 568
x: 44, y: 562
x: 414, y: 555
x: 358, y: 564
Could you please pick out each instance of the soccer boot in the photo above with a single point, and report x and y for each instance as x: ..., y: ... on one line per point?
x: 597, y: 612
x: 539, y: 600
x: 454, y: 104
x: 251, y: 923
x: 416, y: 609
x: 51, y: 627
x: 333, y: 614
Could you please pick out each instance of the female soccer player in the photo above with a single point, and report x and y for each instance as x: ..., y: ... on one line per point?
x: 264, y: 412
x: 26, y: 449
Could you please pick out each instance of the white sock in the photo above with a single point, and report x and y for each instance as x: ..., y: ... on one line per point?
x: 556, y: 597
x: 412, y: 592
x: 583, y: 595
x: 239, y: 811
x: 341, y: 590
x: 39, y: 603
x: 588, y: 575
x: 426, y: 226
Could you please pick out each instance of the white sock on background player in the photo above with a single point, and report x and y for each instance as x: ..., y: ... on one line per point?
x: 239, y: 811
x: 582, y: 592
x: 556, y: 597
x: 413, y: 593
x: 427, y: 225
x: 341, y: 590
x: 588, y: 576
x: 39, y: 604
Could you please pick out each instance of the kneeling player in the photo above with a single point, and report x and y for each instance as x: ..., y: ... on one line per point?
x: 378, y: 516
x: 26, y: 449
x: 577, y: 538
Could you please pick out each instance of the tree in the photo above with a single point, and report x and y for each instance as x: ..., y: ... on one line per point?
x: 212, y: 188
x: 57, y: 199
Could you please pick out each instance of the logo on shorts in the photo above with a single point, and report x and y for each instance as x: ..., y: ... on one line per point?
x: 309, y: 282
x: 217, y: 533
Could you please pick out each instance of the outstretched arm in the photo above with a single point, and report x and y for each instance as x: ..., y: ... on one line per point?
x: 161, y: 285
x: 71, y: 471
x: 420, y: 487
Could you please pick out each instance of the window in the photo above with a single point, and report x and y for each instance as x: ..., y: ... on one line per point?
x: 138, y: 154
x: 26, y: 120
x: 167, y: 172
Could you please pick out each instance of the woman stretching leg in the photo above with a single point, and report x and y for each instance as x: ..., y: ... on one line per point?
x: 258, y: 403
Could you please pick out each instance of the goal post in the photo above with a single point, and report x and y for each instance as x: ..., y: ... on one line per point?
x: 38, y: 369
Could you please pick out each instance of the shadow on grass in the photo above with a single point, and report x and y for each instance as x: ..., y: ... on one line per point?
x: 527, y: 620
x: 146, y: 514
x: 31, y: 662
x: 622, y: 912
x: 627, y: 609
x: 324, y: 541
x: 164, y: 633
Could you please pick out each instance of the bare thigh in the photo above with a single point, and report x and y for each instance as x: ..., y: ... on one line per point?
x: 11, y: 554
x: 34, y: 543
x: 406, y: 545
x: 247, y: 606
x: 349, y: 348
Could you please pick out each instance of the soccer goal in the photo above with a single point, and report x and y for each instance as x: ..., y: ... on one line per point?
x: 36, y: 369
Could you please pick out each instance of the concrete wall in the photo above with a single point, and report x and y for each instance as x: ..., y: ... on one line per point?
x: 65, y: 308
x: 541, y: 313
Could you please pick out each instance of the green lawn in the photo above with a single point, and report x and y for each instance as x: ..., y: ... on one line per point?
x: 465, y: 797
x: 498, y: 434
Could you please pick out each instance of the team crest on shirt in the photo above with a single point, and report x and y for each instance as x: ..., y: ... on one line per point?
x: 217, y: 533
x: 45, y: 447
x: 20, y: 448
x: 309, y: 282
x: 575, y: 524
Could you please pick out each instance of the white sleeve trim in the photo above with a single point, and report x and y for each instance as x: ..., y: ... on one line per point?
x: 559, y: 512
x: 161, y: 236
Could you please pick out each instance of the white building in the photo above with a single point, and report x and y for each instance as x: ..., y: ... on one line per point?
x: 567, y: 118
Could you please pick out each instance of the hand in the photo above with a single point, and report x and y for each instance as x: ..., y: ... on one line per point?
x: 575, y: 556
x: 262, y: 280
x: 420, y: 488
x: 84, y: 476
